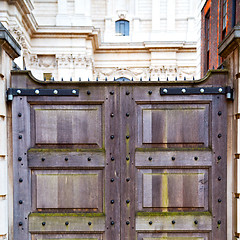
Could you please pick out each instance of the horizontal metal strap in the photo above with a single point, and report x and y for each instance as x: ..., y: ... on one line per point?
x: 41, y: 92
x: 195, y: 90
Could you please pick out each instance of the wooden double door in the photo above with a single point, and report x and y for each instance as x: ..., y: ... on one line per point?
x: 118, y: 161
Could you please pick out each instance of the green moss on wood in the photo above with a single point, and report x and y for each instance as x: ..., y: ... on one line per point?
x: 171, y: 214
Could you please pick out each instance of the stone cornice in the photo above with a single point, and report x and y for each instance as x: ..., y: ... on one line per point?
x: 231, y: 41
x: 9, y: 43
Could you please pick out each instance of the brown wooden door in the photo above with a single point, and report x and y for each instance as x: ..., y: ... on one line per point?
x: 119, y: 161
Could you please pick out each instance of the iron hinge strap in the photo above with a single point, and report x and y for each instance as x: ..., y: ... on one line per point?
x: 228, y: 91
x: 11, y: 92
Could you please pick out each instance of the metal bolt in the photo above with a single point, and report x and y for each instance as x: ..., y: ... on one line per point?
x: 150, y: 158
x: 201, y: 90
x: 112, y: 136
x: 88, y: 92
x: 19, y: 159
x: 89, y: 159
x: 20, y: 137
x: 66, y: 159
x: 20, y: 223
x: 149, y: 92
x: 150, y: 223
x: 219, y: 113
x: 127, y: 137
x: 19, y: 91
x: 196, y: 222
x: 127, y: 93
x: 173, y: 222
x: 55, y: 91
x: 183, y: 90
x: 43, y: 159
x: 20, y: 201
x: 127, y: 114
x: 37, y: 91
x: 165, y: 90
x: 112, y: 115
x: 219, y: 200
x: 219, y: 157
x: 43, y: 223
x: 127, y: 179
x: 195, y: 158
x: 112, y: 179
x: 112, y: 92
x: 66, y: 223
x: 219, y: 178
x: 74, y: 91
x: 112, y: 201
x: 219, y: 222
x: 19, y: 114
x: 112, y: 159
x: 219, y: 135
x: 127, y: 201
x: 20, y: 180
x: 220, y: 90
x: 89, y: 223
x: 127, y: 222
x: 127, y: 158
x: 173, y: 158
x: 112, y: 222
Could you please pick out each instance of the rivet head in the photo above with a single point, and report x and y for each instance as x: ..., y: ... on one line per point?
x: 196, y: 222
x: 150, y: 222
x: 20, y: 180
x: 219, y: 113
x: 112, y: 115
x: 20, y: 137
x: 66, y: 159
x: 112, y: 158
x: 112, y: 136
x: 19, y: 159
x: 201, y: 90
x: 195, y: 158
x: 74, y: 91
x: 43, y: 159
x: 43, y: 223
x: 127, y: 201
x: 219, y: 178
x: 127, y: 222
x: 173, y: 222
x: 127, y: 158
x: 127, y: 114
x: 127, y: 93
x: 88, y: 92
x: 219, y: 135
x: 220, y: 90
x: 89, y: 159
x: 173, y: 158
x: 112, y: 92
x: 20, y: 201
x: 219, y: 157
x: 112, y: 222
x: 127, y: 137
x: 55, y: 91
x: 20, y: 223
x: 89, y: 223
x: 112, y: 201
x: 183, y: 90
x: 219, y: 200
x: 112, y: 180
x: 149, y: 92
x: 19, y: 91
x: 19, y: 114
x: 150, y: 158
x: 165, y: 90
x: 219, y: 222
x: 127, y: 179
x: 66, y: 223
x: 37, y: 91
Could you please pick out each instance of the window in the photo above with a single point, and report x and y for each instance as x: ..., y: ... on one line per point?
x: 207, y: 39
x: 122, y: 27
x: 224, y: 18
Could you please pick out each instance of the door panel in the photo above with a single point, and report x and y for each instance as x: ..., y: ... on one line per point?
x: 119, y: 161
